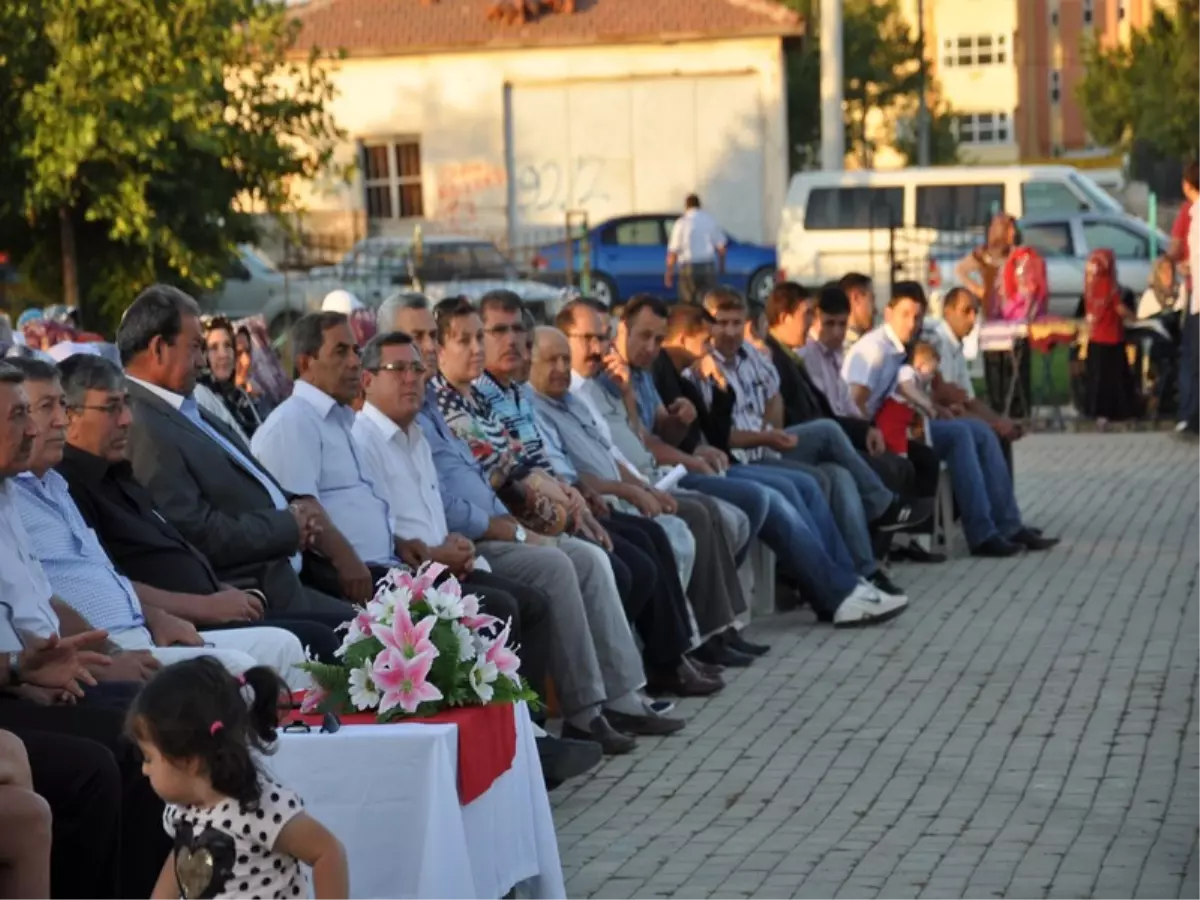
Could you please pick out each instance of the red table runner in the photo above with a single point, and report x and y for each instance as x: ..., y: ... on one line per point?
x: 487, y: 740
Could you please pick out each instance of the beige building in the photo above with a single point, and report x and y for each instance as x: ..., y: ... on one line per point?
x: 1010, y: 68
x: 623, y: 106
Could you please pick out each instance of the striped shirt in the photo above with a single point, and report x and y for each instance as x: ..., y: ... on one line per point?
x: 79, y: 570
x: 513, y: 406
x: 754, y: 381
x: 24, y: 589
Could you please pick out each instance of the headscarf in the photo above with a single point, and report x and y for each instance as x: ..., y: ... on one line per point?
x: 1023, y: 286
x: 1101, y: 289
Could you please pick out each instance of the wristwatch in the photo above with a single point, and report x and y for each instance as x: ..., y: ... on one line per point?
x: 519, y: 534
x: 13, y: 665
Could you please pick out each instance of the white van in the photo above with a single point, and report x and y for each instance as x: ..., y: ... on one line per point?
x: 866, y: 221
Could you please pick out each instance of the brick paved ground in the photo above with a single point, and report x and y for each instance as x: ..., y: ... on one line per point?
x: 1028, y: 728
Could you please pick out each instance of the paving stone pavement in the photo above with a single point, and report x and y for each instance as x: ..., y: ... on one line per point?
x: 1028, y: 728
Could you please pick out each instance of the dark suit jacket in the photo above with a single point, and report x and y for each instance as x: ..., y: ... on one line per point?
x: 142, y: 544
x: 713, y: 423
x: 214, y: 502
x: 803, y: 400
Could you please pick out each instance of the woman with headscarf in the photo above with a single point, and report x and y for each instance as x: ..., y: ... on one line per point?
x: 224, y: 389
x: 1109, y: 394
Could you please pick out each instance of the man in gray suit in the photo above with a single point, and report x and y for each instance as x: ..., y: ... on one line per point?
x: 206, y: 482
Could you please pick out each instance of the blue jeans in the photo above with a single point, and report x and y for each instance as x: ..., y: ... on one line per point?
x: 749, y: 498
x: 800, y: 529
x: 982, y: 484
x: 1189, y: 367
x: 822, y: 442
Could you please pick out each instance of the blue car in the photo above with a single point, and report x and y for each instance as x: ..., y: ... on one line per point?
x: 629, y: 255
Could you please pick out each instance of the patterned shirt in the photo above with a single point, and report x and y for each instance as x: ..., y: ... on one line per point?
x: 754, y: 381
x: 79, y: 570
x: 473, y: 420
x: 513, y: 406
x: 824, y: 367
x: 953, y: 366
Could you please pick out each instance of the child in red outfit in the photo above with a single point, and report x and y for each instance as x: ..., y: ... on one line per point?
x: 898, y: 412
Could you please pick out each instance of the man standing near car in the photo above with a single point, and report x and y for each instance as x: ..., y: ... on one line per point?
x: 697, y: 247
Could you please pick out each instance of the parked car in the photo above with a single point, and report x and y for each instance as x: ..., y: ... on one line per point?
x: 628, y: 255
x: 1065, y: 242
x: 254, y: 286
x: 439, y: 266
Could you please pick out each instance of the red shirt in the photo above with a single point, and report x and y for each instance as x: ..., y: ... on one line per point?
x: 1179, y: 230
x: 892, y: 420
x: 1107, y: 325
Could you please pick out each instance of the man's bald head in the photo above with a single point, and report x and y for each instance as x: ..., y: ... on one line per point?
x: 550, y: 372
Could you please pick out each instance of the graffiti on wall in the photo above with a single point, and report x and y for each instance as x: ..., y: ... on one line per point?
x: 463, y: 189
x: 471, y: 190
x: 556, y: 186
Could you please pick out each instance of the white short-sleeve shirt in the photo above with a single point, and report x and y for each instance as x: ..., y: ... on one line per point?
x: 696, y: 237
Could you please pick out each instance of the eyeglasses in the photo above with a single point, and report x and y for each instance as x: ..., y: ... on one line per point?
x: 589, y: 338
x: 506, y: 330
x: 112, y: 410
x: 416, y: 368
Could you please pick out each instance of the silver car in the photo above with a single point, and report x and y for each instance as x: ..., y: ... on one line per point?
x: 1065, y: 241
x: 254, y: 286
x: 439, y: 266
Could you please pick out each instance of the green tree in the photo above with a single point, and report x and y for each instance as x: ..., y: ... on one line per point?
x: 881, y: 71
x: 1147, y: 91
x: 139, y: 139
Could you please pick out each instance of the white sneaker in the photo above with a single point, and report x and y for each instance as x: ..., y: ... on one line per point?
x: 866, y: 605
x: 1181, y: 426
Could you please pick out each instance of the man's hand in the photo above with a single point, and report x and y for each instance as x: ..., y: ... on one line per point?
x: 414, y: 552
x: 714, y: 457
x: 456, y: 553
x: 310, y: 519
x: 779, y: 440
x: 665, y: 500
x: 618, y: 371
x: 1005, y: 428
x: 645, y: 502
x: 170, y: 631
x: 58, y: 663
x: 683, y: 409
x: 593, y: 530
x: 708, y: 368
x: 875, y: 443
x: 232, y: 605
x: 668, y: 277
x: 698, y: 466
x: 942, y: 412
x: 43, y: 696
x: 129, y: 665
x: 355, y: 579
x: 595, y: 502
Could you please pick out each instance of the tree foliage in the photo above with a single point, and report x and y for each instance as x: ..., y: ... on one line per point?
x: 881, y: 72
x: 148, y: 134
x: 1149, y: 90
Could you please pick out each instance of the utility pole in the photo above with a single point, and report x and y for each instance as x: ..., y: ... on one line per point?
x: 922, y: 102
x: 833, y: 135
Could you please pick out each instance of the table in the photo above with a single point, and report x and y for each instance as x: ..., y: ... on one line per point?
x: 389, y: 793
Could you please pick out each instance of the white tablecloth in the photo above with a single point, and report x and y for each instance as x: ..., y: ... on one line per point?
x: 389, y: 793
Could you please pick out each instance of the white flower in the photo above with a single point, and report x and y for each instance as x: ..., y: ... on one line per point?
x: 444, y: 605
x: 483, y: 674
x: 466, y: 641
x: 363, y: 693
x: 381, y: 611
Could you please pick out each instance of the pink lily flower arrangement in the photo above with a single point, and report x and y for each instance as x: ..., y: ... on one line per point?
x: 420, y: 646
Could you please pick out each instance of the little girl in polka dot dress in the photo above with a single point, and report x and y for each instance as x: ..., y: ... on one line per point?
x: 237, y: 834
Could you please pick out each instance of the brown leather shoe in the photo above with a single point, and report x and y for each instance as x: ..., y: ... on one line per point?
x: 708, y: 670
x: 685, y: 681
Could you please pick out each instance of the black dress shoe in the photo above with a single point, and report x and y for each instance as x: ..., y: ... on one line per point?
x: 645, y: 726
x: 708, y: 670
x: 881, y: 580
x: 611, y: 741
x: 996, y: 548
x: 685, y: 681
x: 715, y: 652
x: 915, y: 553
x: 733, y: 638
x: 1031, y: 540
x: 900, y: 515
x: 563, y: 758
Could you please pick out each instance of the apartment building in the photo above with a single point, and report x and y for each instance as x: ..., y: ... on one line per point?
x: 1009, y: 69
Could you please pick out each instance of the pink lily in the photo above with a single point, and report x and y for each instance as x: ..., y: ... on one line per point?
x: 472, y: 617
x: 502, y: 657
x: 313, y: 698
x: 425, y: 577
x: 407, y: 639
x: 404, y: 682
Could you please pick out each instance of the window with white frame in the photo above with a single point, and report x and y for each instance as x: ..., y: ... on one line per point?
x: 975, y: 50
x: 1088, y: 12
x: 983, y: 128
x: 392, y: 178
x: 1055, y: 85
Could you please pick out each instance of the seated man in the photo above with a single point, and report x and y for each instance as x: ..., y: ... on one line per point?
x: 860, y: 292
x: 40, y: 670
x: 204, y: 480
x: 140, y: 542
x: 588, y: 682
x: 859, y: 500
x: 469, y: 416
x: 971, y: 450
x: 84, y: 578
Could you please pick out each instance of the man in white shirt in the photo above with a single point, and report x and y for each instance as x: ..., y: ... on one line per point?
x: 697, y: 247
